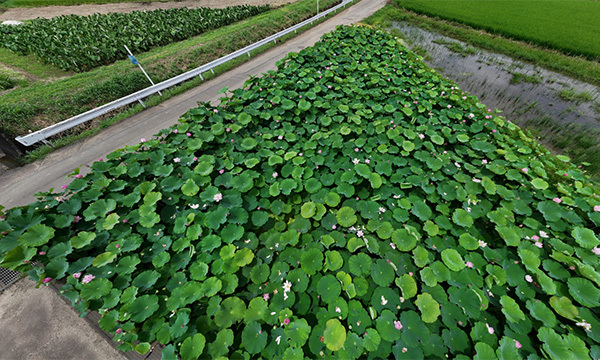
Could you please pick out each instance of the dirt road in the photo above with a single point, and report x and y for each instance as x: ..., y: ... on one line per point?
x: 47, y: 12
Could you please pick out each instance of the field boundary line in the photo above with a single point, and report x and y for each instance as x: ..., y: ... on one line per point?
x: 43, y: 134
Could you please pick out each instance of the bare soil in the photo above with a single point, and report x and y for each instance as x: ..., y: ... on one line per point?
x: 53, y: 11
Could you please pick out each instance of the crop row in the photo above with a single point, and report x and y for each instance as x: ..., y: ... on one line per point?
x: 80, y: 43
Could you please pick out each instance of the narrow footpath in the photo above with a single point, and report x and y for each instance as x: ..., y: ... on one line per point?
x: 37, y: 323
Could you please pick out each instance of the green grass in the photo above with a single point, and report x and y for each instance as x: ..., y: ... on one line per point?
x: 569, y: 26
x: 457, y: 47
x: 575, y: 67
x: 574, y: 96
x: 56, y: 101
x: 31, y: 65
x: 519, y: 78
x: 39, y: 3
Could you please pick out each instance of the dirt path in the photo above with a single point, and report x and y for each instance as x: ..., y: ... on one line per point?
x: 53, y: 11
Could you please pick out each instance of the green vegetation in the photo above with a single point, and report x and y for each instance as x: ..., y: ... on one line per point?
x: 576, y: 67
x: 39, y: 3
x: 581, y: 144
x: 80, y: 43
x: 46, y: 103
x: 569, y: 26
x: 518, y: 78
x: 457, y: 47
x: 339, y: 207
x: 572, y: 95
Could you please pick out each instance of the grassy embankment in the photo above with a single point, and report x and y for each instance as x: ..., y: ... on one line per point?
x: 573, y: 140
x: 59, y: 95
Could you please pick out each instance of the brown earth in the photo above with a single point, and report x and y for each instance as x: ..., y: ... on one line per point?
x: 53, y: 11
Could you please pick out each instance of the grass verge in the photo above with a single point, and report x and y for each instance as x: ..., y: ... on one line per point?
x: 576, y: 67
x: 95, y: 126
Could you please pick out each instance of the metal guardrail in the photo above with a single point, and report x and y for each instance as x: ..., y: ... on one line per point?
x: 43, y: 134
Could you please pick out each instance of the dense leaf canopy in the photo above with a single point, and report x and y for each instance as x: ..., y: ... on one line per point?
x: 352, y: 203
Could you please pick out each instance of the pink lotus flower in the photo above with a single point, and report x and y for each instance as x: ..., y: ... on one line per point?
x: 469, y: 264
x: 535, y: 238
x: 518, y: 344
x: 63, y: 186
x: 188, y: 134
x: 119, y: 331
x: 528, y: 278
x: 266, y: 296
x: 42, y: 253
x: 525, y: 170
x: 143, y: 140
x: 77, y: 275
x: 87, y: 278
x: 398, y: 325
x: 218, y: 197
x: 47, y: 280
x: 489, y: 328
x: 557, y: 200
x: 596, y: 250
x: 286, y: 321
x: 539, y: 244
x: 597, y: 208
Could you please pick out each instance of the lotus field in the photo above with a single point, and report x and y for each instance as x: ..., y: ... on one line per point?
x: 80, y: 43
x: 352, y: 204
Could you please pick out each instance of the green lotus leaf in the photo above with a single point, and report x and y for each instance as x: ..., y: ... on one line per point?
x: 371, y: 340
x: 539, y: 184
x: 484, y: 352
x: 243, y: 257
x: 308, y: 210
x: 36, y: 235
x: 311, y: 261
x: 507, y: 349
x: 190, y: 188
x: 329, y: 288
x: 585, y: 237
x: 334, y: 335
x: 60, y: 249
x: 333, y: 260
x: 382, y: 273
x: 232, y: 310
x: 541, y: 312
x: 244, y: 118
x: 142, y: 307
x: 145, y: 279
x: 511, y: 309
x: 57, y: 267
x: 104, y: 258
x: 297, y: 332
x: 360, y: 264
x: 430, y: 309
x: 404, y: 240
x: 584, y: 292
x: 462, y: 218
x: 387, y: 326
x: 304, y: 105
x: 453, y: 260
x: 363, y: 170
x: 192, y: 347
x: 99, y: 209
x: 408, y: 285
x: 421, y: 210
x: 353, y: 345
x: 257, y: 310
x: 346, y: 216
x: 248, y: 144
x: 553, y: 344
x: 253, y: 338
x: 468, y: 242
x: 96, y: 289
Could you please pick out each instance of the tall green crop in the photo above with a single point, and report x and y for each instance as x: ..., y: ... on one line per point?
x: 80, y: 43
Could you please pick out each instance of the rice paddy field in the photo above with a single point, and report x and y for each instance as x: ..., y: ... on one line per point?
x: 570, y: 26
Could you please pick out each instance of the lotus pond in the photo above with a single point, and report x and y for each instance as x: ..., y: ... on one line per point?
x: 353, y: 203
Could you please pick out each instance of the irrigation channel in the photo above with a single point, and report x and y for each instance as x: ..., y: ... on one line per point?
x: 525, y: 93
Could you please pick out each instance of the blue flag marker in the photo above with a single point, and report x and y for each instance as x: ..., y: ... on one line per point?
x: 133, y: 60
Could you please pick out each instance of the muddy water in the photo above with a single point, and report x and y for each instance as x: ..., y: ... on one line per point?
x: 488, y: 75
